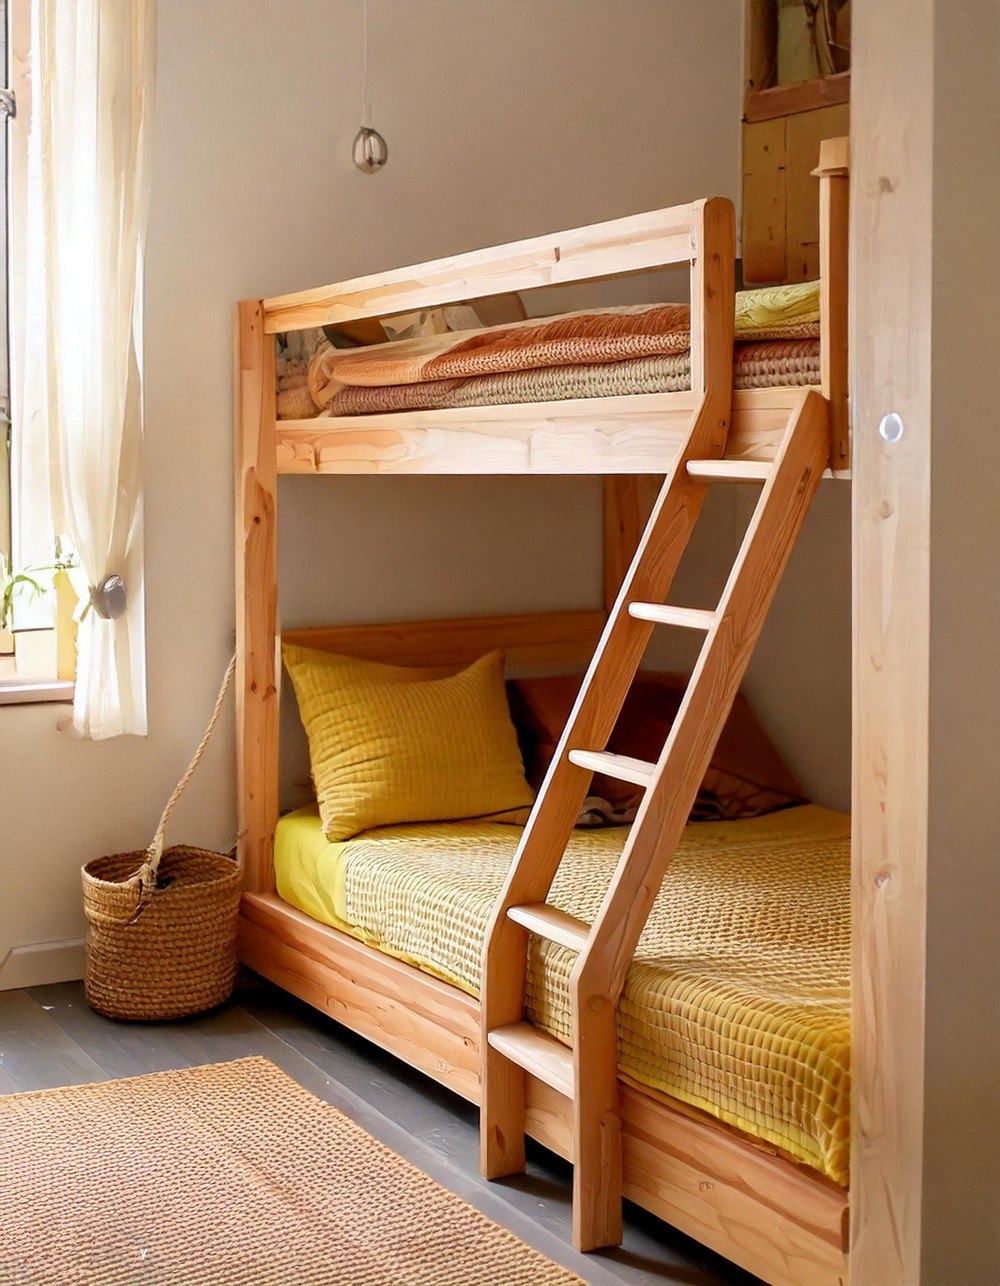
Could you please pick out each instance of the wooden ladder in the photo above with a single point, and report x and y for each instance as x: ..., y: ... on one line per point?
x: 588, y: 1073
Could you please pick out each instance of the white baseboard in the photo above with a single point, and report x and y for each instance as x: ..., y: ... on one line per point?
x: 37, y: 963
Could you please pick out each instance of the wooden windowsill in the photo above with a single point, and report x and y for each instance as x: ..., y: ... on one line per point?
x: 804, y: 96
x: 29, y: 691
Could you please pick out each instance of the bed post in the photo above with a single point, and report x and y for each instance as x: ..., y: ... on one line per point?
x: 833, y: 271
x: 256, y: 598
x: 629, y: 498
x: 628, y: 502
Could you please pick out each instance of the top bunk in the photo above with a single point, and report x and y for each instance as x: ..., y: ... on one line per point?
x: 345, y: 397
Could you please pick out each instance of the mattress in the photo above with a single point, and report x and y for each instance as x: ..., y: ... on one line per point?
x: 737, y: 1001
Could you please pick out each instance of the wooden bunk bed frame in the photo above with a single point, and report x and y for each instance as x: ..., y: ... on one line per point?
x: 775, y: 1217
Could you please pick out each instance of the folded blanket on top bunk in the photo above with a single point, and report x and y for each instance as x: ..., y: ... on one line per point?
x: 766, y: 364
x: 585, y: 354
x: 737, y: 1001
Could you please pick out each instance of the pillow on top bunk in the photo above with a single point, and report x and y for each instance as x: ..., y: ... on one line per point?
x: 746, y: 777
x: 390, y: 745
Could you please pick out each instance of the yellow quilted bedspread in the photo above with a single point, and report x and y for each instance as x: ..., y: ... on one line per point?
x: 737, y: 1001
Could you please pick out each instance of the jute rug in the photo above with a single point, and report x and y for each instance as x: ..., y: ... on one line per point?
x: 228, y: 1175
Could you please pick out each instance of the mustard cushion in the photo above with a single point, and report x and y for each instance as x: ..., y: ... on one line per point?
x: 387, y: 747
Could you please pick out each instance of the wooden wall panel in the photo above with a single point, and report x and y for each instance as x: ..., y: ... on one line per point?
x: 781, y: 194
x: 803, y: 135
x: 891, y: 241
x: 764, y: 201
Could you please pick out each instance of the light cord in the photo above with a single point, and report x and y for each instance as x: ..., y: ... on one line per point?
x: 366, y: 107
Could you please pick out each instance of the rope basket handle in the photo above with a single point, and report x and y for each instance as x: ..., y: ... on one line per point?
x: 147, y: 872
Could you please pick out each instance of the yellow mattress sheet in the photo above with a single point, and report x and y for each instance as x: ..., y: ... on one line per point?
x: 737, y: 1001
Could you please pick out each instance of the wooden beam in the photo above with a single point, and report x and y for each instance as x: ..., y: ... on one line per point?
x: 834, y: 214
x: 891, y: 250
x: 544, y: 638
x: 628, y: 502
x: 610, y: 436
x: 256, y: 597
x: 803, y: 96
x: 632, y: 244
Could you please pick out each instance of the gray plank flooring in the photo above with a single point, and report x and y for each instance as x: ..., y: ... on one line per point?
x: 50, y: 1037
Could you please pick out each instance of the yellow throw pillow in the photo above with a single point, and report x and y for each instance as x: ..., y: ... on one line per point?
x: 388, y: 748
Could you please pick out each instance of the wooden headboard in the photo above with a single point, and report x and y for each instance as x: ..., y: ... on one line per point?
x: 545, y: 638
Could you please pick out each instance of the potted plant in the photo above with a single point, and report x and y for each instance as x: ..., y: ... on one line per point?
x: 30, y: 583
x: 14, y: 582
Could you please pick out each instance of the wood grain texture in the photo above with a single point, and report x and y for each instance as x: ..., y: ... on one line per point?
x: 891, y: 248
x: 599, y: 973
x: 596, y: 1126
x: 834, y: 215
x: 803, y: 96
x: 781, y: 196
x: 628, y: 502
x: 450, y: 643
x: 628, y: 435
x: 256, y: 598
x: 774, y: 1217
x: 765, y: 197
x: 430, y: 1025
x: 803, y: 135
x: 637, y: 242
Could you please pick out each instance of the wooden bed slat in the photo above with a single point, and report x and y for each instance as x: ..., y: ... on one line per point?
x: 632, y: 244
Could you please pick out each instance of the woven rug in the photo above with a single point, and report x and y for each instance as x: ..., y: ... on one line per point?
x: 228, y: 1175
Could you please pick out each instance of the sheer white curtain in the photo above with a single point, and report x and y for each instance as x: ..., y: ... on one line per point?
x: 92, y: 73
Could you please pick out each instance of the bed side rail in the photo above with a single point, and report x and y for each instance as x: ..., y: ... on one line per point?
x: 691, y: 233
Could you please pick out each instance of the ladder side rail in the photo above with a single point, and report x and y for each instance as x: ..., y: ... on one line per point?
x: 597, y: 1215
x: 548, y: 830
x: 624, y: 638
x: 599, y: 974
x: 597, y: 707
x: 767, y: 544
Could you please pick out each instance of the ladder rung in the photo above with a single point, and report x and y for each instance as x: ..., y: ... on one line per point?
x: 538, y: 1053
x: 621, y: 767
x: 730, y: 470
x: 551, y: 923
x: 688, y: 618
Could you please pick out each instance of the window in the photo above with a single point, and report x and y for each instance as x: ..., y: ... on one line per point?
x: 31, y: 659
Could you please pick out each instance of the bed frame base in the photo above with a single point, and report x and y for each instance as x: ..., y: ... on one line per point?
x: 774, y: 1217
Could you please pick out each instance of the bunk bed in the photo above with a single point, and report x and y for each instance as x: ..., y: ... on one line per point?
x: 741, y: 1195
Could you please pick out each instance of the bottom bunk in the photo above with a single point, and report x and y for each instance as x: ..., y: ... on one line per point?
x: 747, y: 963
x: 736, y: 1001
x: 774, y: 1217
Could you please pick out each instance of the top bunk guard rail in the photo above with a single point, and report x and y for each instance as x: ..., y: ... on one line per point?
x: 618, y: 247
x: 636, y: 433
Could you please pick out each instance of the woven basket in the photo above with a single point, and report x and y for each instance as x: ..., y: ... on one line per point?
x: 167, y: 954
x: 161, y: 925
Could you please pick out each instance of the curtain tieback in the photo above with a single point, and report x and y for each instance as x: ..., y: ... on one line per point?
x: 109, y: 599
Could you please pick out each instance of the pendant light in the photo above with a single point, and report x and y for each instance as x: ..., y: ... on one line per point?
x: 371, y: 151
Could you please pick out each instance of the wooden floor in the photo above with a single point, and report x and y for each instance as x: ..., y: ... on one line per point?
x: 49, y: 1037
